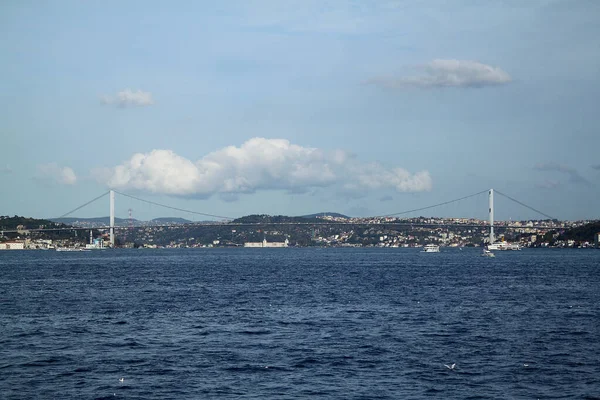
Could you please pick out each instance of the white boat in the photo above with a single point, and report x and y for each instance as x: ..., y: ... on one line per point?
x: 70, y: 249
x: 431, y: 248
x: 487, y: 253
x: 503, y: 246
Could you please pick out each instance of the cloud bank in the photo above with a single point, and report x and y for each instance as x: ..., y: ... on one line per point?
x: 573, y: 175
x: 129, y: 98
x: 447, y: 73
x: 258, y: 164
x: 53, y: 173
x: 549, y: 184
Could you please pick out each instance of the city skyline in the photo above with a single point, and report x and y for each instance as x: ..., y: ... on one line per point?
x: 299, y: 107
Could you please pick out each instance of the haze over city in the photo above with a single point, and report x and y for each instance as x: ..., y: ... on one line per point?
x: 296, y: 107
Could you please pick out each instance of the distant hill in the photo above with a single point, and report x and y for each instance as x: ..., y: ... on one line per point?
x: 583, y: 233
x: 104, y: 221
x: 17, y: 223
x: 96, y: 220
x: 264, y: 218
x: 8, y: 223
x: 170, y: 220
x: 322, y: 214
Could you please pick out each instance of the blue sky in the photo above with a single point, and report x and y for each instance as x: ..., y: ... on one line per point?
x: 295, y: 107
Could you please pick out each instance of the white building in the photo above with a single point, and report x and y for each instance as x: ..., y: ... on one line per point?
x: 14, y: 245
x: 264, y: 243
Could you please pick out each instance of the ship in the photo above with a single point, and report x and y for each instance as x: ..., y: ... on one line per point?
x: 503, y: 246
x: 431, y: 248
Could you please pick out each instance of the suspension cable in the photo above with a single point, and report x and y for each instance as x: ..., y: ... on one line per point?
x: 172, y: 208
x: 80, y: 207
x: 435, y: 205
x: 523, y: 204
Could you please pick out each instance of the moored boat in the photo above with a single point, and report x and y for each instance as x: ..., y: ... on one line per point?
x: 431, y: 248
x: 71, y: 249
x: 503, y: 246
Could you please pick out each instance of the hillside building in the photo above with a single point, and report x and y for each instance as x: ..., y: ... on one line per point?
x: 12, y: 245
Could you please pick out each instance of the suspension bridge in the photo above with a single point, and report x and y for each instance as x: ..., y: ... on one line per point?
x: 393, y: 219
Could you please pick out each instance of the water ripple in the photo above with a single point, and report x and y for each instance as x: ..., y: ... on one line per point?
x: 300, y: 323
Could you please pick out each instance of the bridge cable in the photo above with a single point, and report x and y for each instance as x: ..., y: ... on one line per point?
x: 435, y: 205
x: 173, y: 208
x: 523, y: 204
x: 80, y: 207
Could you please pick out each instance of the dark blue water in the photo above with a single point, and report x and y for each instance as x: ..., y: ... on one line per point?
x: 299, y: 323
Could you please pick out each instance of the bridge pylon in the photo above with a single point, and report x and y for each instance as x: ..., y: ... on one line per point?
x: 112, y: 218
x: 491, y: 210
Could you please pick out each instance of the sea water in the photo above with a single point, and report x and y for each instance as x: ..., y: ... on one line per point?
x: 351, y: 323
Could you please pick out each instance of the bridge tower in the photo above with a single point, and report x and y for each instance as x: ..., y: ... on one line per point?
x: 130, y: 226
x: 130, y: 219
x: 491, y: 216
x: 112, y: 218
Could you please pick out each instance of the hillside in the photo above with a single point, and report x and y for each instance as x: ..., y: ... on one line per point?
x: 104, y: 221
x: 10, y: 223
x: 584, y: 233
x: 24, y: 224
x: 96, y: 220
x: 170, y: 220
x: 323, y: 214
x: 263, y: 218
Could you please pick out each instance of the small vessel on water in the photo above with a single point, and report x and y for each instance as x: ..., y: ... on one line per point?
x: 487, y: 253
x: 431, y: 248
x: 71, y: 249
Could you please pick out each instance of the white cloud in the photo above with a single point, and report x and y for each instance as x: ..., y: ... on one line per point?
x: 6, y: 170
x: 258, y: 164
x: 447, y: 73
x: 53, y: 173
x: 127, y: 98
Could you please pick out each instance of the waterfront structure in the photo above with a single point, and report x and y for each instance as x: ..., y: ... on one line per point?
x: 97, y: 243
x: 264, y: 243
x: 12, y: 245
